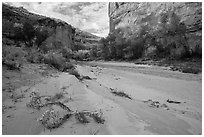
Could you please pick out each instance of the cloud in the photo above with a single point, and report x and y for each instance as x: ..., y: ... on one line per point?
x: 88, y: 16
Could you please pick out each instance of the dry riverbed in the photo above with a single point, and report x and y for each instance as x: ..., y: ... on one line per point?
x: 132, y: 99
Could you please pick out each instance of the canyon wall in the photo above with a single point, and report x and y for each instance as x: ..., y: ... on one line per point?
x: 130, y: 16
x: 59, y: 32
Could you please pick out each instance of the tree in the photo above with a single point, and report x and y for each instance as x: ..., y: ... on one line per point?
x: 29, y: 33
x: 94, y: 52
x: 41, y: 35
x: 104, y: 46
x: 120, y: 44
x: 111, y: 45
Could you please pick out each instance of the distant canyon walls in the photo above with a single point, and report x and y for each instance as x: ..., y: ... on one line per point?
x: 130, y: 16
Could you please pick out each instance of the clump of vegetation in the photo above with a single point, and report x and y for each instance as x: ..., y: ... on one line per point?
x: 41, y: 35
x: 12, y: 57
x: 35, y: 101
x: 58, y: 61
x: 98, y: 117
x: 81, y: 55
x: 52, y: 119
x: 191, y: 70
x: 156, y: 104
x: 35, y: 56
x: 121, y: 94
x: 55, y: 60
x: 81, y: 117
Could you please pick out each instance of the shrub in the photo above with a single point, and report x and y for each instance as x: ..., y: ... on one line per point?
x: 35, y: 56
x: 191, y: 70
x: 94, y: 52
x: 41, y: 35
x: 69, y: 66
x: 12, y: 57
x: 82, y: 54
x: 78, y: 46
x: 58, y: 61
x: 29, y: 33
x: 66, y: 53
x: 55, y: 60
x: 197, y: 52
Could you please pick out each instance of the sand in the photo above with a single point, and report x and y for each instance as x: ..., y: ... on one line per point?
x: 122, y: 116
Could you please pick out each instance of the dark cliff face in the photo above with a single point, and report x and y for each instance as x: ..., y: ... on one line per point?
x: 130, y: 16
x: 58, y: 30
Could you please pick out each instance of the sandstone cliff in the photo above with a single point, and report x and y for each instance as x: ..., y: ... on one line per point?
x: 131, y: 15
x: 58, y: 31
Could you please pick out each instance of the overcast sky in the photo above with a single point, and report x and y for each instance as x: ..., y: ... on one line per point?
x: 89, y: 16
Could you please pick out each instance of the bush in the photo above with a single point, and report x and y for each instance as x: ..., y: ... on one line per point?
x: 69, y: 66
x: 35, y: 56
x: 12, y: 57
x: 197, y: 52
x: 81, y: 54
x: 58, y: 61
x: 78, y: 46
x: 66, y: 53
x: 191, y: 70
x: 41, y: 35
